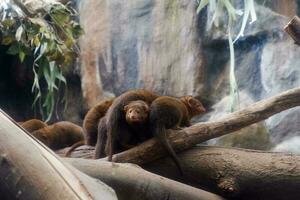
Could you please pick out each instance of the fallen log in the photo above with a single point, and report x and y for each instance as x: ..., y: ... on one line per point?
x: 236, y: 173
x: 230, y: 172
x: 132, y: 182
x: 29, y: 170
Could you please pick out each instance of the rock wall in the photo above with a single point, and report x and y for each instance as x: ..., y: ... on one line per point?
x: 266, y: 64
x: 149, y: 44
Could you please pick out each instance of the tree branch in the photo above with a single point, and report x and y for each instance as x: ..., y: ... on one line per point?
x: 230, y: 172
x: 189, y: 137
x: 293, y: 29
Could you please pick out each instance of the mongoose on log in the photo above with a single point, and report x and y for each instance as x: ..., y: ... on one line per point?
x: 132, y: 132
x: 171, y: 113
x: 59, y: 135
x: 33, y: 125
x: 116, y: 119
x: 90, y: 124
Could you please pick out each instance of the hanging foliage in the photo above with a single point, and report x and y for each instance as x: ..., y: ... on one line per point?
x: 218, y: 7
x: 49, y: 37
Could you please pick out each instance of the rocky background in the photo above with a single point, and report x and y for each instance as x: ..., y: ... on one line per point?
x: 164, y: 46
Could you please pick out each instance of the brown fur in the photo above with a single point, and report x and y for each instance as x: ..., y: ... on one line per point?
x: 74, y: 146
x: 91, y: 120
x: 133, y: 131
x: 170, y: 113
x: 90, y: 124
x: 59, y: 135
x: 136, y: 112
x: 115, y: 127
x: 33, y: 125
x: 101, y: 139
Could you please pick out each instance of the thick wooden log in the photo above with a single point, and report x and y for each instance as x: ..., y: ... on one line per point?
x: 29, y: 170
x: 230, y: 172
x: 236, y: 173
x: 132, y: 182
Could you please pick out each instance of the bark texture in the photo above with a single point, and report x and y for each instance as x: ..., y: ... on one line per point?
x: 236, y: 173
x: 132, y: 182
x: 29, y: 170
x: 230, y: 172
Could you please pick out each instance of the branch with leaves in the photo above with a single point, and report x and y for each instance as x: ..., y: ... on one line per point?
x: 48, y: 39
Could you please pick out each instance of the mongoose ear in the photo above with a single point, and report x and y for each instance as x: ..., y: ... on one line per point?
x: 126, y: 108
x: 190, y: 100
x: 146, y: 108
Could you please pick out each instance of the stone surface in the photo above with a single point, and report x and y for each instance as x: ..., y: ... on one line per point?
x: 266, y: 64
x: 148, y: 44
x: 255, y: 136
x: 95, y: 49
x: 289, y: 145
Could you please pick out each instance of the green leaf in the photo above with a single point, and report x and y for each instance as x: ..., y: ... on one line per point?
x: 36, y: 41
x: 37, y: 97
x: 7, y: 23
x: 7, y: 40
x: 13, y: 49
x: 53, y: 72
x: 252, y: 11
x: 19, y: 33
x: 46, y: 74
x: 42, y: 49
x: 61, y: 77
x: 230, y: 9
x: 68, y: 58
x: 60, y: 17
x: 21, y: 56
x: 77, y: 30
x: 202, y: 4
x: 234, y: 91
x: 39, y: 21
x: 249, y: 10
x: 69, y: 42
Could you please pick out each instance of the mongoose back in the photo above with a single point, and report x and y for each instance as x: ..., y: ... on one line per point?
x: 59, y: 135
x: 91, y: 120
x: 170, y: 113
x: 33, y: 125
x: 90, y: 124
